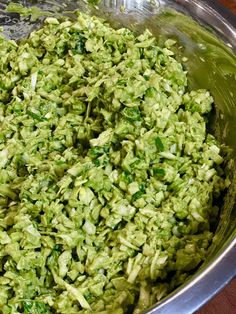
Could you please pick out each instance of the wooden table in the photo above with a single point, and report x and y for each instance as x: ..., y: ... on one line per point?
x: 231, y: 4
x: 225, y: 301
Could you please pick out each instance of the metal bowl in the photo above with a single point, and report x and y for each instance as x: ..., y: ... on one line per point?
x: 206, y: 33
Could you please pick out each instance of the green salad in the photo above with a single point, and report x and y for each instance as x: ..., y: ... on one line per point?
x: 108, y: 175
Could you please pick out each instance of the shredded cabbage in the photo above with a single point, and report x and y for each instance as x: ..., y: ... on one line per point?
x: 108, y: 176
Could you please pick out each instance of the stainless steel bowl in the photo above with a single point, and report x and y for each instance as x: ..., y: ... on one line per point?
x: 206, y: 33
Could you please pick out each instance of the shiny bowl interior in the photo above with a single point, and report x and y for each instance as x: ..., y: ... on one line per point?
x: 206, y: 35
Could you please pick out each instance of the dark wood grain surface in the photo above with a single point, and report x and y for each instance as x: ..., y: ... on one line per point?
x: 230, y: 4
x: 225, y: 301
